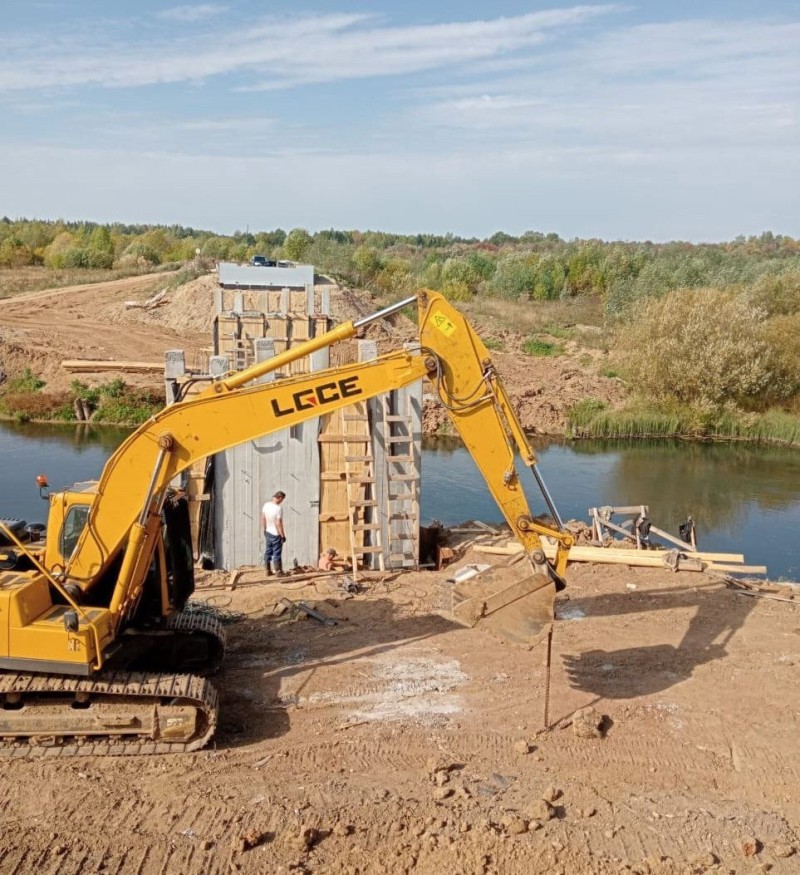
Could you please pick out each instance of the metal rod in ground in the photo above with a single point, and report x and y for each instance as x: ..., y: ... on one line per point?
x: 548, y: 651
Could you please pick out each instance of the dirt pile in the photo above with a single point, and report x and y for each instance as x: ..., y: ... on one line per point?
x: 188, y: 308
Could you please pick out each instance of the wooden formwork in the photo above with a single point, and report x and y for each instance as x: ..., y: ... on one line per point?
x: 333, y: 513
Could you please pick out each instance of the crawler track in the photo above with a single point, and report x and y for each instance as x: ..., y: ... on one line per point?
x: 120, y: 714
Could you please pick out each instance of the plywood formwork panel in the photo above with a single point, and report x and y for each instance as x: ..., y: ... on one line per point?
x: 333, y: 510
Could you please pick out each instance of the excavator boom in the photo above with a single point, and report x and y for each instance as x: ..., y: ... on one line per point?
x: 92, y: 595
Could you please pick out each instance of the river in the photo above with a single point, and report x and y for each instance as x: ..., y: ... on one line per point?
x: 744, y: 498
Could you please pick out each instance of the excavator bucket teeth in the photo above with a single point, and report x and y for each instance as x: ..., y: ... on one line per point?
x: 520, y: 611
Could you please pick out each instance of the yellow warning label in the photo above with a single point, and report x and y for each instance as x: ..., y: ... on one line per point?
x: 443, y: 324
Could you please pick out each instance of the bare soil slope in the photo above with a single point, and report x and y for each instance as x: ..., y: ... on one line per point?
x: 40, y: 329
x: 398, y: 742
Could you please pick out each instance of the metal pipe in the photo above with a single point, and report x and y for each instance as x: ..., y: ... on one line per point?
x: 382, y: 314
x: 151, y: 487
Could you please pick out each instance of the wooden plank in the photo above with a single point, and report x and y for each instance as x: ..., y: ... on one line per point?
x: 678, y: 541
x: 583, y: 553
x: 88, y: 366
x: 736, y: 569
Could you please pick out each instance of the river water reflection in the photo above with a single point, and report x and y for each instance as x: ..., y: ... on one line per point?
x: 745, y: 499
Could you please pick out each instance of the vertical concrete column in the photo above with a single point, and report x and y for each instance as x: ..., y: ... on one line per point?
x: 309, y: 299
x: 174, y: 368
x: 264, y: 349
x: 238, y: 304
x: 325, y: 307
x: 285, y: 301
x: 218, y: 365
x: 218, y: 300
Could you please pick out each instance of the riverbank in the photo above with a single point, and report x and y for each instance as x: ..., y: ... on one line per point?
x: 566, y: 388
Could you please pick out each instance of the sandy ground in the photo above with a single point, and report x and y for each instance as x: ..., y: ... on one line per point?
x: 396, y: 742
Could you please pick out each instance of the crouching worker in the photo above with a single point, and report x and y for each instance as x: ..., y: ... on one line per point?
x: 328, y: 561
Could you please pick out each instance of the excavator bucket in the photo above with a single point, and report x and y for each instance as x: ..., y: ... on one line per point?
x: 514, y: 604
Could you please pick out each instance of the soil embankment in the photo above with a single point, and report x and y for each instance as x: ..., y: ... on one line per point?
x: 41, y: 329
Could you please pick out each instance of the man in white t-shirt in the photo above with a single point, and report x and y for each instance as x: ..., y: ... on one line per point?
x: 272, y: 527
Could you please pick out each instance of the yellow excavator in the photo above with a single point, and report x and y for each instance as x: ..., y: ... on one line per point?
x: 97, y: 652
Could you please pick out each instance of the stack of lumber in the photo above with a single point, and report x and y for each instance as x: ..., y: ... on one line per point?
x: 688, y: 560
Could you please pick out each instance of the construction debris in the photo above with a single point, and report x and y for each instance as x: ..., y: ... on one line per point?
x: 150, y: 303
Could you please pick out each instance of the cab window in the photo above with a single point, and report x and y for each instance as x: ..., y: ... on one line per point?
x: 74, y: 524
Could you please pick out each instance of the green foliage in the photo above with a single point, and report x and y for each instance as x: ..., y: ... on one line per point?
x: 367, y: 262
x: 537, y: 347
x: 140, y: 251
x: 297, y: 244
x: 702, y: 347
x: 15, y: 253
x: 591, y: 419
x: 27, y: 381
x: 515, y: 277
x: 456, y: 291
x: 612, y: 373
x: 493, y: 343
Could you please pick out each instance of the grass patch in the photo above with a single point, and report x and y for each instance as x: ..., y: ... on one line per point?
x: 111, y: 402
x: 592, y: 419
x: 538, y: 317
x: 612, y: 373
x: 558, y: 332
x: 538, y: 347
x: 494, y: 343
x: 27, y: 381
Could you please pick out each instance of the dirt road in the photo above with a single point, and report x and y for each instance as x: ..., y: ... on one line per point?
x: 397, y: 742
x: 40, y: 329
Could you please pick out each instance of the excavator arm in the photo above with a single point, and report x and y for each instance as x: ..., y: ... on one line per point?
x: 126, y: 508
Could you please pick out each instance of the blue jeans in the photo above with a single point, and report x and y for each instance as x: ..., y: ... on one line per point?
x: 274, y: 548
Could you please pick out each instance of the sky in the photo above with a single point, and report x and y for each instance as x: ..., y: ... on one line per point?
x: 622, y: 121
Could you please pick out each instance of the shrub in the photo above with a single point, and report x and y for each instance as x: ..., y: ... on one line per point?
x: 27, y: 381
x: 703, y: 347
x: 457, y: 291
x: 514, y: 277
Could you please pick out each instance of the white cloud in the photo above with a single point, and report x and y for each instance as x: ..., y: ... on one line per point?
x: 308, y: 49
x: 189, y: 14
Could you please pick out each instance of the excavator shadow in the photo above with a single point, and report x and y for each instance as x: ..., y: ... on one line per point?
x: 625, y: 673
x: 276, y: 667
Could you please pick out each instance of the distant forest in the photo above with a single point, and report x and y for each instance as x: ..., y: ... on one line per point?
x: 531, y: 267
